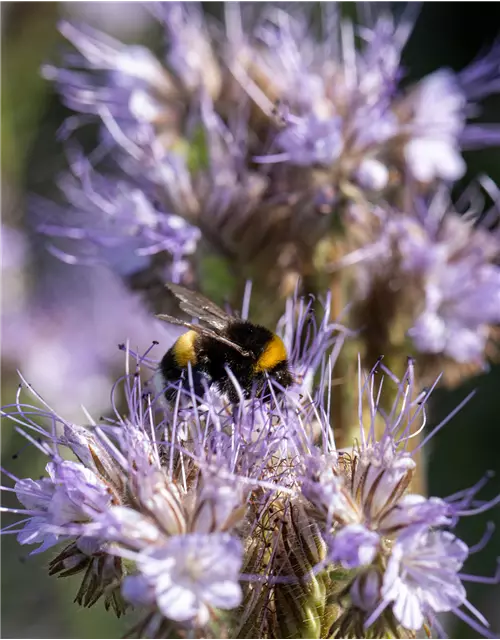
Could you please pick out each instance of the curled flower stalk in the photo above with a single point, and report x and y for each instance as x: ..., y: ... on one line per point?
x: 245, y: 519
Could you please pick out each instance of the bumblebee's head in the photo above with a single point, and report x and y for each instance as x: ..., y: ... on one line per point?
x: 281, y: 373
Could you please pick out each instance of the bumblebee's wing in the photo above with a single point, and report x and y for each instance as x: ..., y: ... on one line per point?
x: 204, y: 331
x: 197, y: 306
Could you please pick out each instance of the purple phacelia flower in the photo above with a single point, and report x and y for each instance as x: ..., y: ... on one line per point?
x: 462, y: 289
x: 438, y: 108
x: 188, y: 576
x: 422, y: 575
x: 337, y: 99
x: 79, y: 494
x: 461, y: 286
x: 220, y: 504
x: 127, y: 87
x: 116, y: 223
x: 362, y: 497
x: 437, y: 113
x: 36, y: 496
x: 62, y: 508
x: 138, y: 97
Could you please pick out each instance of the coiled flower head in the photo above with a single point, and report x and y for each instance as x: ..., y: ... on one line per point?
x: 436, y: 274
x: 245, y: 518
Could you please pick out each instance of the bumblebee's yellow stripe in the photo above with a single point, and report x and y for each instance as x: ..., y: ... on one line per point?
x: 184, y: 350
x: 274, y: 353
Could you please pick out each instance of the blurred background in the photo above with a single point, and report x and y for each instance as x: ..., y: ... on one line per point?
x: 61, y: 324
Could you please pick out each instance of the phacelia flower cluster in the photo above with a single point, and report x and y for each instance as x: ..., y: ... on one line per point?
x: 436, y: 272
x: 112, y: 221
x: 245, y: 519
x: 256, y: 129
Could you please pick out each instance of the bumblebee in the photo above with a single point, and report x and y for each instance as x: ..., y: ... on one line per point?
x: 251, y: 352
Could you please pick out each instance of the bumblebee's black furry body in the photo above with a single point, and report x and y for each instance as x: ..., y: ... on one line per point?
x: 214, y: 357
x: 220, y: 342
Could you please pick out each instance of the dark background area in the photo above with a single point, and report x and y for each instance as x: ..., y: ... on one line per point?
x: 447, y: 34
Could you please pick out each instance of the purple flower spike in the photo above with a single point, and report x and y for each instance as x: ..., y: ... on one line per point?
x: 319, y: 116
x: 251, y: 131
x: 199, y: 510
x: 438, y: 271
x: 461, y: 284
